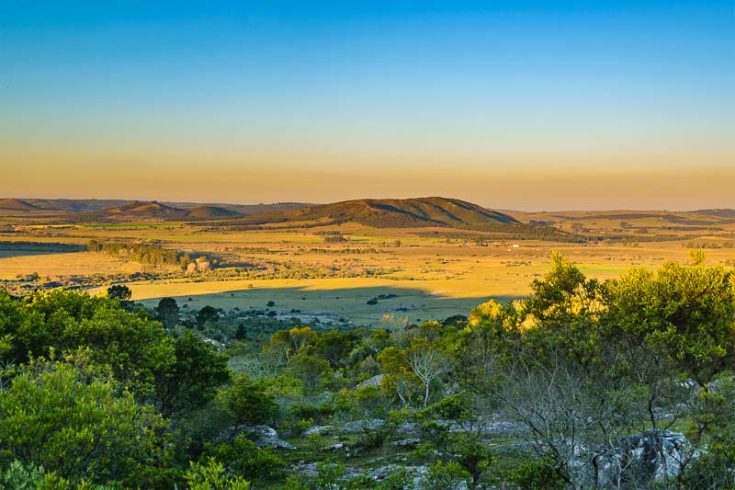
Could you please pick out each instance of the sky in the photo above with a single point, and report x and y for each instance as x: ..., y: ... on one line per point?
x: 513, y: 104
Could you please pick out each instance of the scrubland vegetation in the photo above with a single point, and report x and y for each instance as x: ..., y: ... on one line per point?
x: 624, y: 383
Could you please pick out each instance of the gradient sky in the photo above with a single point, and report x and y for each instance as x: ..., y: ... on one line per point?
x: 584, y: 104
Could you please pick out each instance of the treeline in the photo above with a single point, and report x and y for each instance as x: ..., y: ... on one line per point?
x: 145, y: 253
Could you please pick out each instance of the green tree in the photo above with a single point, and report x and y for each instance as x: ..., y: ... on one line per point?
x: 119, y: 292
x: 249, y: 402
x: 168, y: 312
x: 75, y: 421
x: 683, y: 312
x: 135, y: 347
x: 243, y: 457
x: 311, y: 370
x: 193, y: 378
x: 211, y: 475
x: 207, y: 314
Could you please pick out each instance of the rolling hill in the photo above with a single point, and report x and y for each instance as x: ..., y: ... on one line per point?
x: 211, y: 212
x: 145, y: 210
x: 106, y: 209
x: 16, y: 205
x: 392, y: 213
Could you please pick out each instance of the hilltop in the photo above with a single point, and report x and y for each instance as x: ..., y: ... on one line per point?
x: 391, y: 213
x: 144, y: 210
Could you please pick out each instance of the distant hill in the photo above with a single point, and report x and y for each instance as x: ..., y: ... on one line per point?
x: 392, y: 213
x: 719, y: 213
x: 76, y: 205
x: 143, y: 210
x: 75, y: 210
x: 16, y: 205
x: 242, y: 209
x: 211, y: 212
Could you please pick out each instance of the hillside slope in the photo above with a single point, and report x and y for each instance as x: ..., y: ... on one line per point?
x: 16, y: 205
x: 139, y: 211
x: 211, y: 212
x: 392, y: 213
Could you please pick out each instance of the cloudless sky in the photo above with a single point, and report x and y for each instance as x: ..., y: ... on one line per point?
x: 511, y: 104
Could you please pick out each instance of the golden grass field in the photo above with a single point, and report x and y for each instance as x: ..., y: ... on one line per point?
x: 434, y: 272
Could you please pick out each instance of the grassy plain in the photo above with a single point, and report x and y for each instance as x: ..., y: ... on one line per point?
x: 421, y: 273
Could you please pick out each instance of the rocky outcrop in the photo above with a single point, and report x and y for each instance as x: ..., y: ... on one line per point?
x: 655, y: 455
x: 362, y: 425
x: 376, y: 380
x: 262, y: 435
x: 638, y: 461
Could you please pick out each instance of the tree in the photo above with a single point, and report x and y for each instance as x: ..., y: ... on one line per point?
x: 136, y: 348
x: 168, y: 312
x: 334, y: 346
x: 82, y: 426
x: 297, y: 340
x: 119, y: 292
x: 684, y: 312
x: 211, y: 475
x: 309, y: 369
x: 243, y: 457
x: 31, y: 477
x: 205, y: 315
x: 194, y: 377
x: 248, y: 401
x: 427, y: 365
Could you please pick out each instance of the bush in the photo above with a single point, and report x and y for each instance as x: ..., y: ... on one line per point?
x: 249, y: 402
x: 244, y: 458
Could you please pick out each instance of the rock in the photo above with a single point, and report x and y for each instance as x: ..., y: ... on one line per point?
x: 308, y: 469
x: 268, y: 437
x: 336, y: 447
x: 317, y: 430
x: 262, y: 435
x: 376, y: 380
x: 383, y: 472
x: 639, y: 460
x: 408, y: 428
x: 409, y: 442
x: 655, y: 454
x: 361, y: 425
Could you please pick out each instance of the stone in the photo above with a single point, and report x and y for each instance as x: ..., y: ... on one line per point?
x: 318, y: 430
x: 361, y: 425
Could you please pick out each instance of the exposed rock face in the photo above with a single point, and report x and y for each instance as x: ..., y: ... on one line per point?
x: 639, y: 461
x: 268, y: 437
x: 376, y: 380
x: 360, y: 425
x: 318, y: 430
x: 262, y: 435
x: 655, y: 455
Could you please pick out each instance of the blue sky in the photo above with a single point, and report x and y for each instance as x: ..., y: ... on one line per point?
x: 332, y: 86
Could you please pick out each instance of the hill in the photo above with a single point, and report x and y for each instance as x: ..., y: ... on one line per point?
x: 16, y: 205
x: 105, y: 209
x: 391, y: 213
x: 141, y: 211
x: 209, y: 212
x: 719, y: 213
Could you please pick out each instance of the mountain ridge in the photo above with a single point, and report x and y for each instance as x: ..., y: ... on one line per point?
x: 391, y: 213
